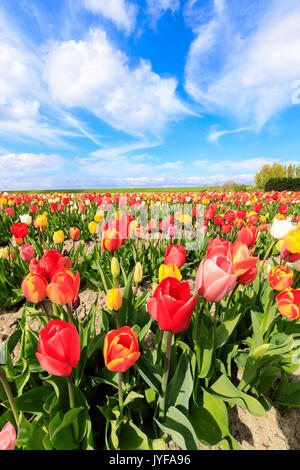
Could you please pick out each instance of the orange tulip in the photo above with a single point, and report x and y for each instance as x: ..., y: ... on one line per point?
x: 34, y: 287
x: 64, y: 286
x: 111, y: 239
x: 243, y: 264
x: 288, y: 302
x: 74, y: 233
x: 280, y: 278
x: 121, y: 349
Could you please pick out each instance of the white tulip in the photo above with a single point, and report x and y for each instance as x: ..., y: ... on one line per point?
x: 280, y: 228
x: 26, y: 219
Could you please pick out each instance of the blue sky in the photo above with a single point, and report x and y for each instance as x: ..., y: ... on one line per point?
x: 127, y: 93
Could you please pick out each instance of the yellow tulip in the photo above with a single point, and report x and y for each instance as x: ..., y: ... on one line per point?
x: 113, y: 299
x: 169, y: 270
x: 292, y: 241
x: 58, y: 237
x: 93, y: 227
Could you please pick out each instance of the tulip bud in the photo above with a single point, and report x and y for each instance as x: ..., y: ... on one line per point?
x: 115, y: 267
x: 279, y: 245
x: 113, y: 299
x: 138, y: 273
x: 75, y: 302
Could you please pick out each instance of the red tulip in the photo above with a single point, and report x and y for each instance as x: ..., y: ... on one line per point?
x: 175, y: 254
x: 248, y: 235
x: 49, y: 263
x: 253, y: 219
x: 210, y: 212
x: 218, y: 247
x: 58, y: 347
x: 172, y: 305
x: 226, y: 228
x: 9, y: 211
x: 230, y: 216
x: 19, y: 230
x: 283, y: 208
x: 218, y: 220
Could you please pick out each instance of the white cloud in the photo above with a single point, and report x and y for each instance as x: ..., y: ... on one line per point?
x: 92, y: 74
x: 214, y: 134
x: 26, y: 163
x: 228, y: 167
x: 246, y: 74
x: 120, y: 12
x: 157, y: 8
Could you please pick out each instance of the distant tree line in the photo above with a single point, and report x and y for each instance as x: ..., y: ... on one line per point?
x: 278, y: 177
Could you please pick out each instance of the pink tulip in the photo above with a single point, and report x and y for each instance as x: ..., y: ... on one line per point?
x: 215, y: 278
x: 8, y: 437
x: 26, y: 252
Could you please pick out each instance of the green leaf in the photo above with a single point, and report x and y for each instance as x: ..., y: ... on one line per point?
x: 95, y: 344
x: 180, y: 387
x: 132, y: 396
x: 127, y: 297
x: 148, y: 373
x: 225, y: 330
x: 226, y: 391
x: 132, y: 438
x: 33, y: 400
x: 210, y: 419
x: 288, y: 393
x: 179, y: 427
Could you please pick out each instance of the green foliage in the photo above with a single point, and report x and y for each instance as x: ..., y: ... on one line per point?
x: 282, y: 184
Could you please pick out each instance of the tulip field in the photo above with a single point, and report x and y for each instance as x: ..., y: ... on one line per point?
x: 200, y: 314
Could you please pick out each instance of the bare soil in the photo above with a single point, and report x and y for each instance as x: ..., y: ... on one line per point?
x: 279, y: 430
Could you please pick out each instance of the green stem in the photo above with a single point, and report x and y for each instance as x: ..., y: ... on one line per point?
x: 270, y: 328
x: 216, y: 316
x: 229, y: 300
x: 70, y: 316
x: 265, y: 321
x: 117, y: 320
x: 265, y: 257
x: 10, y: 397
x: 166, y: 371
x: 161, y: 334
x: 45, y: 310
x: 72, y: 405
x: 121, y: 404
x: 197, y: 346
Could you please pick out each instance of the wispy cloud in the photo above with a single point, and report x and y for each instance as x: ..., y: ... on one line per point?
x: 157, y: 8
x: 255, y: 61
x: 121, y: 12
x: 214, y: 134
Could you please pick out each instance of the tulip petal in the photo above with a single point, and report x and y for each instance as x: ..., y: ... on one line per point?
x: 53, y: 366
